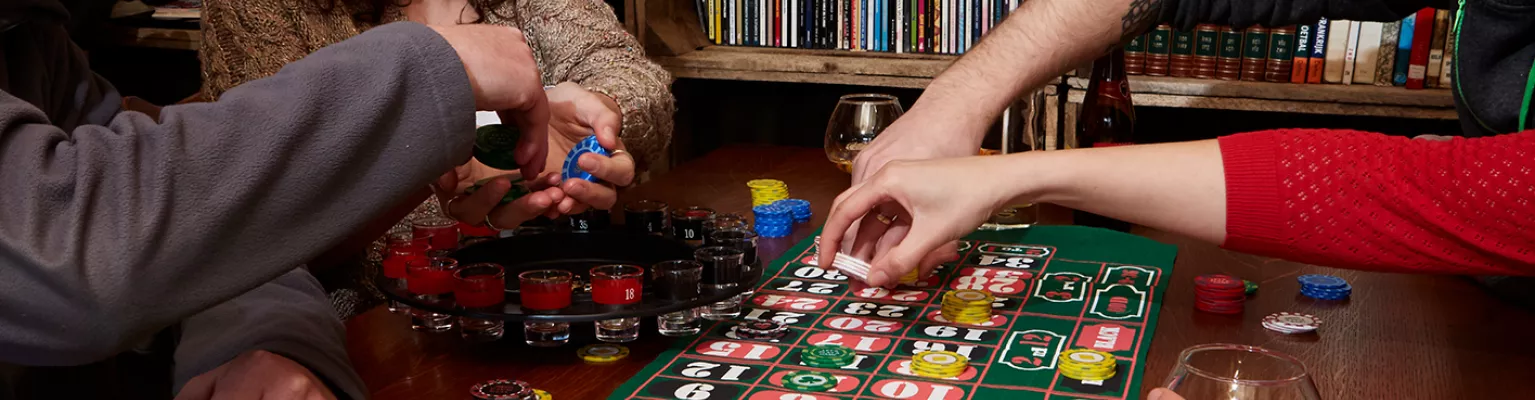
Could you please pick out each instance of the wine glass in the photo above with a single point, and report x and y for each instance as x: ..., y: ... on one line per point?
x: 1020, y: 129
x: 855, y: 122
x: 1239, y: 372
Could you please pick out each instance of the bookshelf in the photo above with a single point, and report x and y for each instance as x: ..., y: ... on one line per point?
x: 162, y: 38
x: 672, y: 37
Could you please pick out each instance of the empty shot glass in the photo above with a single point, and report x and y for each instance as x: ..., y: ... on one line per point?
x: 617, y: 285
x: 723, y: 269
x: 480, y: 286
x: 545, y: 290
x: 428, y: 279
x: 680, y: 323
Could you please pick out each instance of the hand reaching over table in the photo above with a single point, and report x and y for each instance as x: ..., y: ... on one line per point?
x: 575, y: 114
x: 506, y: 80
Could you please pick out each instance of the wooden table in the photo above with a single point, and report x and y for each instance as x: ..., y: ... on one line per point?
x: 1398, y: 337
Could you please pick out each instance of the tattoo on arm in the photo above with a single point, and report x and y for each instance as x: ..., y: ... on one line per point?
x: 1142, y: 15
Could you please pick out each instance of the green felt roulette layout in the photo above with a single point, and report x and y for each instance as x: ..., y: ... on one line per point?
x: 1056, y: 288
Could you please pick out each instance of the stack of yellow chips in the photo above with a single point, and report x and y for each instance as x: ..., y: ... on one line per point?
x: 967, y: 306
x: 910, y: 277
x: 939, y: 364
x: 767, y: 191
x: 1087, y: 365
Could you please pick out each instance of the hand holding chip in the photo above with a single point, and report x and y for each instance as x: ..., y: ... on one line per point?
x: 575, y: 114
x: 485, y: 204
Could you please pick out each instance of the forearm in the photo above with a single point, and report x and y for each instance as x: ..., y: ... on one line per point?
x: 1177, y: 187
x: 1041, y: 40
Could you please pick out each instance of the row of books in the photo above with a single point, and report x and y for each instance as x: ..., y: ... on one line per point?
x: 899, y: 26
x: 1415, y: 52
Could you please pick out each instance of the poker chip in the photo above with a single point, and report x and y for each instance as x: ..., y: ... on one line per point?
x: 1324, y: 287
x: 939, y: 364
x: 601, y: 353
x: 572, y: 168
x: 542, y: 395
x: 1249, y: 287
x: 828, y: 356
x: 495, y: 145
x: 910, y: 277
x: 1291, y: 323
x: 519, y: 188
x: 810, y: 381
x: 1219, y: 294
x: 502, y: 389
x: 967, y: 306
x: 762, y: 330
x: 773, y: 220
x: 1087, y: 365
x: 799, y: 209
x: 767, y: 191
x: 849, y: 265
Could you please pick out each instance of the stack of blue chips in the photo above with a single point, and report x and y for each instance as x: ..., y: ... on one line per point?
x: 800, y: 208
x: 1325, y: 287
x: 773, y: 220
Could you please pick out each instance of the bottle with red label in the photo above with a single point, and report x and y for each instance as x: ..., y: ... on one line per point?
x: 1107, y: 119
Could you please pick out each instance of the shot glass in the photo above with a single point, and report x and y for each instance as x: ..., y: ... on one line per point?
x: 676, y: 280
x: 688, y: 224
x: 545, y: 290
x: 480, y: 286
x: 647, y: 217
x: 429, y: 278
x: 742, y: 239
x: 617, y: 285
x: 724, y: 221
x: 401, y: 248
x: 680, y: 323
x: 591, y: 220
x: 441, y: 233
x: 723, y: 269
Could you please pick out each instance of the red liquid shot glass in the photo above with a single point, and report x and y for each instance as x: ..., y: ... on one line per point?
x: 480, y: 285
x: 441, y: 233
x: 545, y: 289
x: 617, y: 284
x: 430, y: 276
x: 400, y: 254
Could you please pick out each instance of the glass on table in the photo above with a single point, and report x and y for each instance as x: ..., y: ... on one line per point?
x: 677, y: 280
x: 440, y: 232
x: 647, y: 217
x: 679, y: 323
x: 591, y: 220
x: 1020, y: 129
x: 545, y: 290
x: 428, y: 279
x: 480, y: 286
x: 1239, y: 372
x: 617, y: 285
x: 688, y: 224
x: 400, y: 248
x: 855, y: 122
x: 723, y: 269
x: 723, y: 221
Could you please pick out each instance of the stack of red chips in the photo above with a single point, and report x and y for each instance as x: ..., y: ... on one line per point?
x: 1219, y: 294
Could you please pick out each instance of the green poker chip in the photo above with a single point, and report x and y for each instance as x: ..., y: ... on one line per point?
x: 495, y: 145
x: 1249, y: 287
x: 519, y: 189
x: 827, y: 356
x: 810, y: 381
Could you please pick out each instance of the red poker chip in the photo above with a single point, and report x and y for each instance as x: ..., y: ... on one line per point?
x: 1217, y: 281
x: 501, y: 389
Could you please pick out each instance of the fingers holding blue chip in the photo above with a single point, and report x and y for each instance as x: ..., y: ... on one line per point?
x: 572, y: 168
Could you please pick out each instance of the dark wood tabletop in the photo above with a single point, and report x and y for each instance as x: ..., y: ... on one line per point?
x: 1398, y: 337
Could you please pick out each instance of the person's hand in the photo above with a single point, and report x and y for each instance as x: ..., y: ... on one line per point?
x: 484, y: 205
x: 934, y: 203
x: 914, y: 136
x: 506, y: 80
x: 1163, y: 394
x: 256, y: 375
x: 576, y: 113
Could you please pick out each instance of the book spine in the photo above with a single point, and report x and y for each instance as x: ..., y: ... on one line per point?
x: 1404, y: 50
x: 1417, y: 67
x: 1158, y: 49
x: 845, y: 24
x: 1181, y: 63
x: 1207, y: 42
x: 1367, y: 58
x: 900, y: 26
x: 1351, y: 52
x: 1302, y: 53
x: 923, y: 11
x: 1337, y: 45
x: 1135, y: 56
x: 1318, y: 61
x: 1436, y: 48
x: 778, y: 31
x: 1281, y: 54
x: 1385, y: 64
x: 1446, y: 78
x: 1255, y: 49
x: 1228, y: 63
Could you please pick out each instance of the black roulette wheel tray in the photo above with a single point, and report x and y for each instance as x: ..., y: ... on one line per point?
x: 577, y: 253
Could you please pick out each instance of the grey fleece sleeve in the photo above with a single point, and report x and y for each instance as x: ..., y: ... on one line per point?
x: 113, y: 231
x: 1185, y: 14
x: 290, y: 317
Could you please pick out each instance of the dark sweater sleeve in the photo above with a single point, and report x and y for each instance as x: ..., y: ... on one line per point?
x: 114, y: 231
x: 1185, y: 14
x: 290, y: 317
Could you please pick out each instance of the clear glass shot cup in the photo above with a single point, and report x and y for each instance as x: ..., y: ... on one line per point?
x: 1239, y: 372
x: 617, y: 285
x: 429, y: 279
x: 723, y: 269
x: 545, y: 290
x: 480, y: 286
x: 680, y: 323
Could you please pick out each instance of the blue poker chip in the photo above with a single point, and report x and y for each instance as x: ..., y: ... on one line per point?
x: 572, y: 168
x: 1321, y: 281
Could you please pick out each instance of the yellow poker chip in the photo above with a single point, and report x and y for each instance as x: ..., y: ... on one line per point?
x: 972, y: 296
x: 542, y: 395
x: 941, y: 360
x: 602, y: 353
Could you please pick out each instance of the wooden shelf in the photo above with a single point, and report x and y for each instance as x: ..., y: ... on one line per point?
x: 807, y: 66
x: 164, y: 38
x: 1329, y: 99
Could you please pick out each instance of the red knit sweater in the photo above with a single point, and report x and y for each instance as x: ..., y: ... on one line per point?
x: 1369, y: 201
